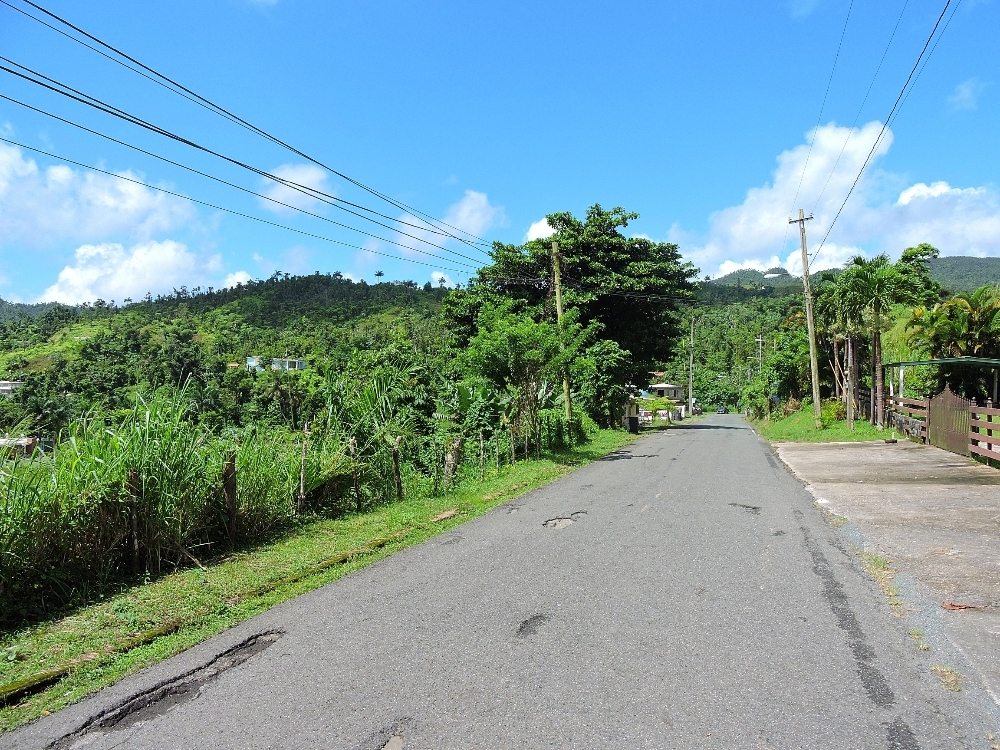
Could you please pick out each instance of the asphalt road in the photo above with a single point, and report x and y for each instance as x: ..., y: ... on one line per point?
x: 683, y: 593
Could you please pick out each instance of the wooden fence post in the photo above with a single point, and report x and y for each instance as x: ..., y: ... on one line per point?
x: 135, y: 495
x: 482, y: 458
x: 354, y: 470
x: 229, y: 491
x: 513, y: 456
x: 300, y: 504
x: 395, y: 468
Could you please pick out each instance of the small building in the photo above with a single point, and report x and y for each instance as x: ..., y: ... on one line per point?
x: 24, y: 446
x: 282, y: 364
x: 7, y: 387
x: 667, y: 390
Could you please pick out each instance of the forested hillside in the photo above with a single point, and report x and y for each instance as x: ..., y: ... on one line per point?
x: 406, y: 390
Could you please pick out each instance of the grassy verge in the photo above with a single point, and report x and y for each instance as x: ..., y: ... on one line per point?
x: 800, y: 428
x: 195, y: 604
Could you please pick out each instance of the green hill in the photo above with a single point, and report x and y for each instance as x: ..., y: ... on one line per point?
x: 14, y: 310
x: 963, y: 273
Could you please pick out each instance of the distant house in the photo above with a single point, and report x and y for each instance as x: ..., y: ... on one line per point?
x: 24, y: 446
x: 666, y: 390
x: 7, y: 387
x: 283, y: 364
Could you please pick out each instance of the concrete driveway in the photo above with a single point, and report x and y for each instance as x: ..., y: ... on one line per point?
x: 936, y: 516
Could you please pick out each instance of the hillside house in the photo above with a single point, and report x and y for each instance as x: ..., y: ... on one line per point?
x: 282, y: 364
x: 7, y: 387
x: 666, y: 390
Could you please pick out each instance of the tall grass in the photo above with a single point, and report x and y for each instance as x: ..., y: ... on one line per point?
x: 143, y: 494
x: 117, y: 500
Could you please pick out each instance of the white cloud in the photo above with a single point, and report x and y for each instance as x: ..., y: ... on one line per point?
x: 966, y: 94
x: 238, y: 277
x: 801, y: 8
x: 877, y: 218
x: 539, y: 230
x: 44, y: 205
x: 473, y: 213
x: 109, y: 271
x: 307, y: 175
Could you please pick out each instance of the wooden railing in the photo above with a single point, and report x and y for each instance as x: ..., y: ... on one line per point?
x: 909, y: 415
x: 984, y: 432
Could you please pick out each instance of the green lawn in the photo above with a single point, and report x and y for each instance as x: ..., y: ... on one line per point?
x: 201, y: 603
x: 800, y: 428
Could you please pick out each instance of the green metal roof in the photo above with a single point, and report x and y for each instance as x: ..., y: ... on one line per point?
x: 981, y: 361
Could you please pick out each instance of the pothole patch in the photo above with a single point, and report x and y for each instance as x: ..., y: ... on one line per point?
x: 752, y: 509
x: 531, y: 625
x: 392, y: 737
x: 561, y: 522
x: 167, y: 695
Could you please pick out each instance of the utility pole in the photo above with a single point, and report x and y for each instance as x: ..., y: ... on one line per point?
x: 760, y: 353
x: 691, y: 372
x: 557, y: 277
x: 813, y: 358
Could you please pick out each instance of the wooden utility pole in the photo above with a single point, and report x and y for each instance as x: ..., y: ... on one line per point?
x: 691, y: 371
x: 557, y: 278
x: 813, y: 356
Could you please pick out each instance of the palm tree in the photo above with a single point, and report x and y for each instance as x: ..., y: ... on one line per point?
x: 869, y: 289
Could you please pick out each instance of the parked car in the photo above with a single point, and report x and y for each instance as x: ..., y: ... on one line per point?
x: 722, y: 410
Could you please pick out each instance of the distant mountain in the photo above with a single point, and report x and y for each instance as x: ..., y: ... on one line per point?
x: 14, y: 310
x: 962, y: 273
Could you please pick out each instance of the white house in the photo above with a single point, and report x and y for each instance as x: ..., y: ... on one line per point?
x: 7, y: 387
x: 666, y: 390
x: 277, y: 363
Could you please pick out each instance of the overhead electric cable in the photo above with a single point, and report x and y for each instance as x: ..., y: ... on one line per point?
x: 931, y: 53
x: 240, y: 213
x: 885, y: 126
x: 83, y: 98
x: 193, y: 170
x: 861, y: 108
x: 221, y: 111
x: 822, y: 106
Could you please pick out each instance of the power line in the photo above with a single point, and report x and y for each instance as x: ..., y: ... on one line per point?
x: 861, y: 108
x: 822, y: 107
x: 79, y: 96
x: 206, y: 174
x: 187, y: 93
x: 236, y: 213
x: 885, y: 126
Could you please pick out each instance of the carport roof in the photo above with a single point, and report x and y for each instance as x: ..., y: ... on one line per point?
x: 980, y: 361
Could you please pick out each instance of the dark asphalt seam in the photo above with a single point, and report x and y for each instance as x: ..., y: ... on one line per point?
x: 531, y: 625
x: 899, y: 736
x: 163, y: 696
x: 872, y: 679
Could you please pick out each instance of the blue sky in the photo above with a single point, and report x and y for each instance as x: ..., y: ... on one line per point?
x: 697, y: 116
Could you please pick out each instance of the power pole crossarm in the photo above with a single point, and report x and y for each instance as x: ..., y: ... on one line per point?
x: 813, y: 356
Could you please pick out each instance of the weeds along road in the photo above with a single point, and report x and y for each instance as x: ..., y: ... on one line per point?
x: 684, y: 592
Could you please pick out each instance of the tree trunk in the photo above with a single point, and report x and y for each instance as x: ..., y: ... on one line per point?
x: 482, y: 458
x: 395, y: 468
x: 880, y: 382
x: 836, y: 369
x: 452, y: 459
x: 851, y: 383
x: 874, y: 375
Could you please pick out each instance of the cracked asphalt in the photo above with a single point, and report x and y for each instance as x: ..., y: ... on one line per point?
x: 685, y: 592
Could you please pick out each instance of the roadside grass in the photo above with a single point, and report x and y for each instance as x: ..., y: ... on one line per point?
x: 948, y: 677
x: 800, y: 428
x: 918, y: 635
x: 197, y: 603
x: 881, y: 570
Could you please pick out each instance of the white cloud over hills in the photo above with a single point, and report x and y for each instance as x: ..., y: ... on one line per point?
x: 110, y: 271
x: 306, y: 175
x: 39, y: 206
x: 884, y: 214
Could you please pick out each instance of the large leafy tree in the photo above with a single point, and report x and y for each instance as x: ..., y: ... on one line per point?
x: 869, y: 289
x: 968, y: 325
x: 630, y: 286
